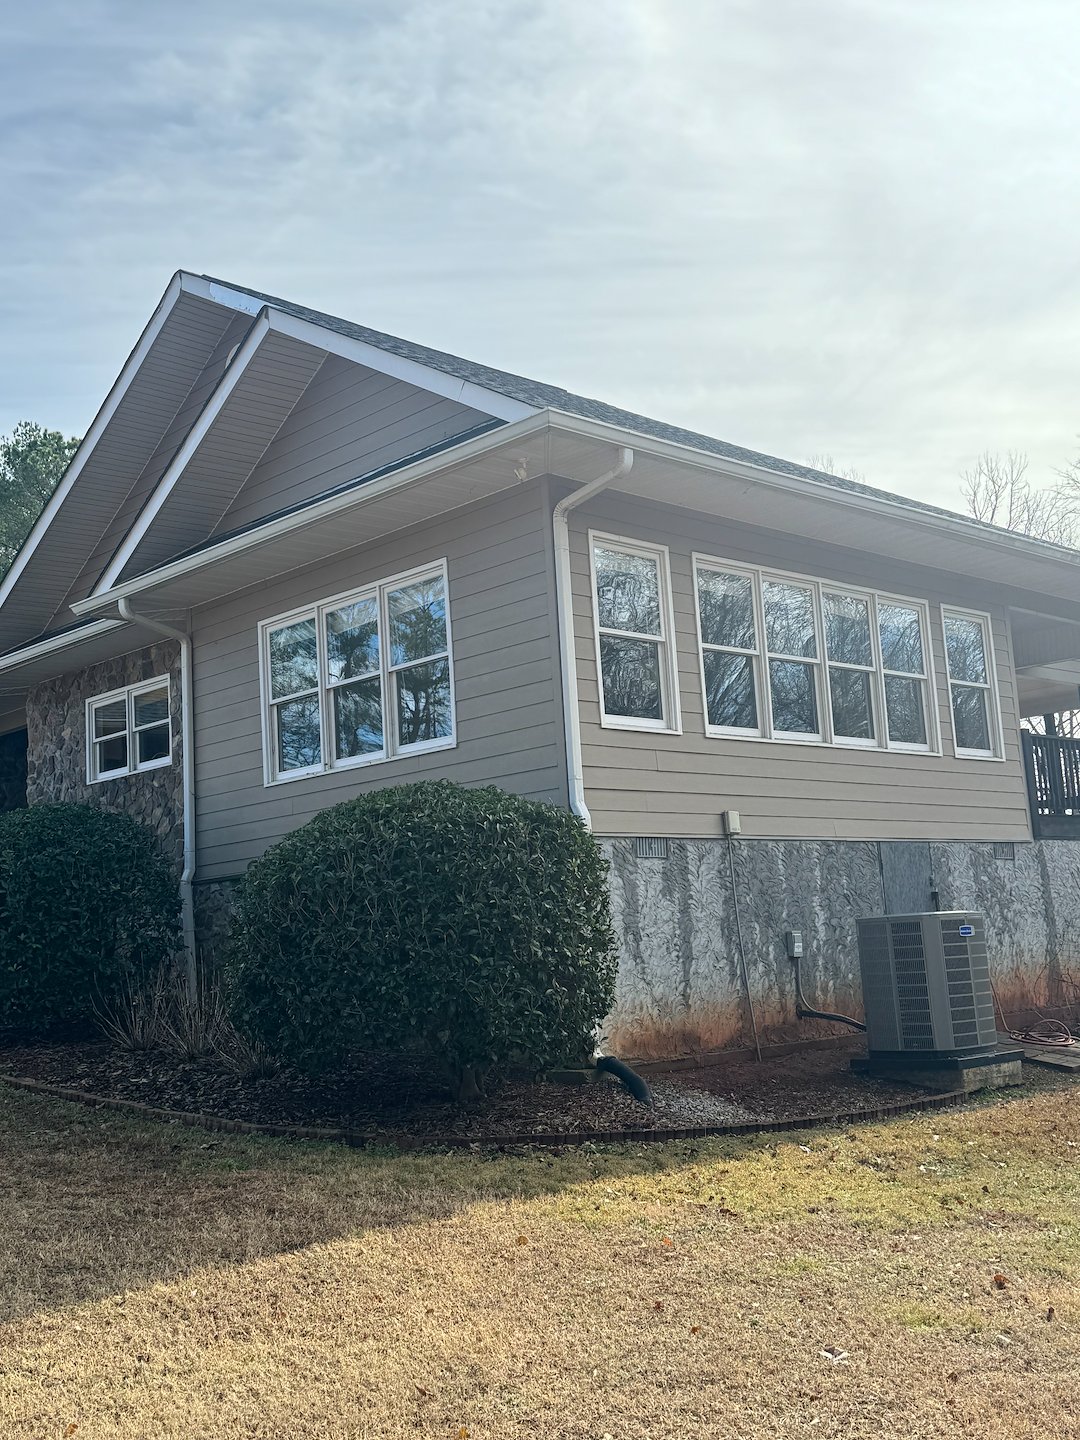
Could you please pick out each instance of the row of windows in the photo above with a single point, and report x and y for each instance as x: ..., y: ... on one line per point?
x: 369, y: 675
x: 360, y: 678
x: 788, y: 658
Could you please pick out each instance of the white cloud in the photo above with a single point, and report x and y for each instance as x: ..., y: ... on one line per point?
x: 845, y: 227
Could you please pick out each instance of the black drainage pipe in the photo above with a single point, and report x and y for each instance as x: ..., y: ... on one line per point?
x: 630, y: 1078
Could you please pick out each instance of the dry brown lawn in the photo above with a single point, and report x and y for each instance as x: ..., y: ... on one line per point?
x: 914, y: 1279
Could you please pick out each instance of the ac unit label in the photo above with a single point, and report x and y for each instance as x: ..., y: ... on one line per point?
x: 967, y: 929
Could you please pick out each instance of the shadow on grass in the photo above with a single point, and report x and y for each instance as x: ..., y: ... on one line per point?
x: 94, y: 1203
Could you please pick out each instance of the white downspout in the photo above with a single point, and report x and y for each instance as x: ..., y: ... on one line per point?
x: 187, y: 904
x: 564, y: 605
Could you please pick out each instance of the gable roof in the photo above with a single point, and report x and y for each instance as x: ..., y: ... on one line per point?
x: 553, y: 397
x: 89, y: 525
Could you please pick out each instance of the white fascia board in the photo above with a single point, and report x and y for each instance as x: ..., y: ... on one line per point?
x: 53, y: 644
x: 883, y: 505
x: 93, y: 435
x: 165, y: 486
x: 413, y: 474
x: 425, y: 377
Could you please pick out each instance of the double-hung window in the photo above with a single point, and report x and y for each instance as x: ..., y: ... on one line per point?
x: 849, y: 645
x: 730, y: 653
x: 128, y: 730
x: 791, y: 636
x: 363, y: 677
x: 784, y: 657
x: 632, y: 596
x: 969, y: 660
x: 905, y: 662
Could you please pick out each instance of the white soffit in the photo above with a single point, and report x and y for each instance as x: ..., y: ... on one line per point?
x: 141, y: 405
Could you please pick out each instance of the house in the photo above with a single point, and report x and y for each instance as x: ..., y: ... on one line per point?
x: 295, y: 559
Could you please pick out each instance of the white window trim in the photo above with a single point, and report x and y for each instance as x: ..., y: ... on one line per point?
x: 880, y: 740
x: 993, y: 697
x: 317, y: 611
x: 671, y: 723
x: 758, y: 574
x: 128, y: 694
x: 815, y: 662
x: 755, y: 656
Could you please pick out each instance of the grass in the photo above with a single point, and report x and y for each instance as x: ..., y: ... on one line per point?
x: 893, y: 1279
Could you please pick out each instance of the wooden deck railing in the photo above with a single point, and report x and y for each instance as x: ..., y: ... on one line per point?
x: 1052, y: 764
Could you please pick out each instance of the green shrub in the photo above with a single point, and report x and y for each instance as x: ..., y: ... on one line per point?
x: 470, y: 920
x: 87, y: 907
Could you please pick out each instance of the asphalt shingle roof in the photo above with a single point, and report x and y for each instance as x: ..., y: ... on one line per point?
x: 553, y: 397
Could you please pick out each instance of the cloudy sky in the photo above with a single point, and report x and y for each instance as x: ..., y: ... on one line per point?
x: 845, y: 227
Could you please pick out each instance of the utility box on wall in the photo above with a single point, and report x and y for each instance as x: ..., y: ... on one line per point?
x: 926, y: 985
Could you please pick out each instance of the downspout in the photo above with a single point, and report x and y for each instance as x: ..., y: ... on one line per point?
x: 564, y: 606
x: 187, y: 904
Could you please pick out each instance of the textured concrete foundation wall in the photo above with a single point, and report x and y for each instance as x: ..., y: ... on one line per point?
x: 56, y: 746
x: 1032, y: 908
x: 680, y: 980
x: 680, y: 986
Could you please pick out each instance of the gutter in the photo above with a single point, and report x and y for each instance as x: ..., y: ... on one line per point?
x: 564, y: 606
x: 187, y: 901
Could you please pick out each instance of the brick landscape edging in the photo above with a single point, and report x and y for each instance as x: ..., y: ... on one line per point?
x: 360, y: 1141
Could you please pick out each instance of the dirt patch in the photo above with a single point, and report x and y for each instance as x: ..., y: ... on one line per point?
x: 388, y: 1097
x: 807, y: 1082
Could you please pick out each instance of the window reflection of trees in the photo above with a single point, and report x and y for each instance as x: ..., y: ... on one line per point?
x: 360, y: 659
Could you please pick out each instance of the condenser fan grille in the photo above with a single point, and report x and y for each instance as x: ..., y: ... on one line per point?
x: 926, y: 983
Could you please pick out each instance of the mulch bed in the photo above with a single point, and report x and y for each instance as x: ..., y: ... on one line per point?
x: 390, y: 1098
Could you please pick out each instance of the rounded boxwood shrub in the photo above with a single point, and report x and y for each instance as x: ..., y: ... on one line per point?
x: 470, y: 920
x: 87, y: 905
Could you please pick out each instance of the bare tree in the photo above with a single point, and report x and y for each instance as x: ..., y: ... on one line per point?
x: 997, y: 490
x: 828, y: 465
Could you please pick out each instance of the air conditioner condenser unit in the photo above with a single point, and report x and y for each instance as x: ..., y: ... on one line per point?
x: 926, y: 985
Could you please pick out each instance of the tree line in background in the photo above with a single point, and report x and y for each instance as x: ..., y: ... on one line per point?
x: 32, y: 460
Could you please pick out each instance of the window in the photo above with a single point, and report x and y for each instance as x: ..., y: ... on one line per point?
x: 359, y: 678
x: 128, y: 730
x: 730, y: 658
x: 788, y: 658
x: 904, y: 662
x: 633, y: 626
x: 791, y: 637
x: 852, y: 668
x: 969, y: 662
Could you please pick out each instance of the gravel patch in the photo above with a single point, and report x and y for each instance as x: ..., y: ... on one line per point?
x: 682, y: 1104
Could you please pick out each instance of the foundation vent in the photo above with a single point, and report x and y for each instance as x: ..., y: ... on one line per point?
x: 926, y: 984
x: 649, y: 847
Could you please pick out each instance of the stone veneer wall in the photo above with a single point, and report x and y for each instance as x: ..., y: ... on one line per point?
x: 13, y: 770
x: 680, y: 986
x: 56, y: 746
x: 212, y: 903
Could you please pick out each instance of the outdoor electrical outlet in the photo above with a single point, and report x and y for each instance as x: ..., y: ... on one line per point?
x: 794, y: 943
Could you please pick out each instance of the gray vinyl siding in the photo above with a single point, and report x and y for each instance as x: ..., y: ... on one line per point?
x: 640, y: 783
x: 191, y: 408
x: 508, y: 705
x: 350, y: 420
